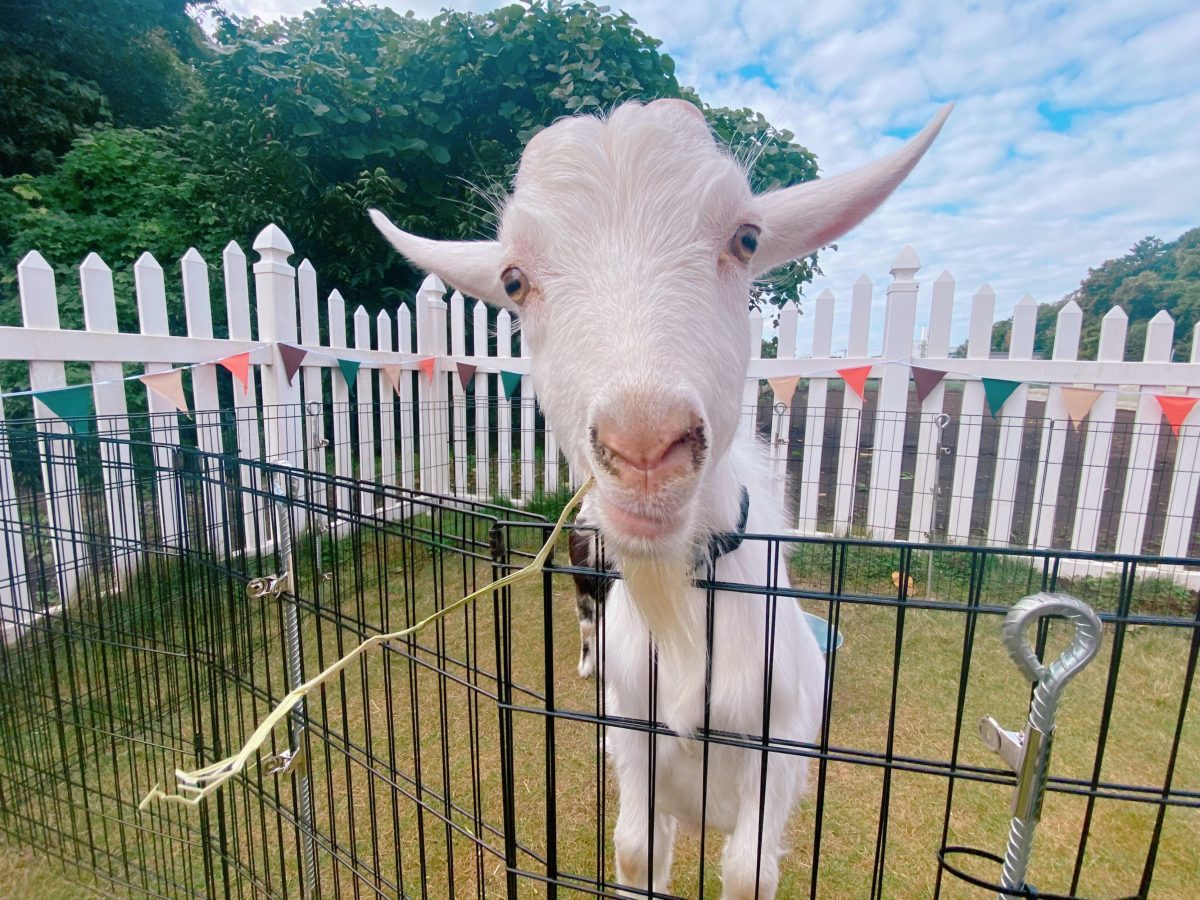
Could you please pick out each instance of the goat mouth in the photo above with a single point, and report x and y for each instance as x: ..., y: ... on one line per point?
x: 629, y: 524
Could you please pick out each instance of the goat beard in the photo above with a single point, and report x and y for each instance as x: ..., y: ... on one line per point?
x: 661, y: 590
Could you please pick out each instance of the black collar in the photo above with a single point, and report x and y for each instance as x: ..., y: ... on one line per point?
x: 724, y: 542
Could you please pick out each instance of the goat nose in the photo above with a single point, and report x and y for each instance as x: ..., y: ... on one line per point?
x: 645, y: 451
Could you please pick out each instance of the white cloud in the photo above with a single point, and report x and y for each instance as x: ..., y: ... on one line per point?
x: 1003, y: 198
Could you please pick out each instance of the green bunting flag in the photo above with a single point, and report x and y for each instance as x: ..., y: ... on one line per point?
x: 73, y: 405
x: 998, y: 390
x: 349, y: 369
x: 512, y: 381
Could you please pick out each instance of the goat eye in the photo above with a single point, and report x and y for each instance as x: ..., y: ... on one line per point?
x: 516, y: 285
x: 744, y: 242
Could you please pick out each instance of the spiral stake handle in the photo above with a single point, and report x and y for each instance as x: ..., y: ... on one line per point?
x: 1028, y: 753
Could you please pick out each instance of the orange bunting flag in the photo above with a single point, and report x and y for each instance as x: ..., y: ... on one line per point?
x: 428, y: 365
x: 1176, y: 409
x: 169, y: 386
x: 238, y: 366
x: 1079, y: 402
x: 784, y: 388
x: 857, y: 379
x: 393, y: 373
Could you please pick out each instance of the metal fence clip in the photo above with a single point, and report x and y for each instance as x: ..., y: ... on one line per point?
x: 1027, y: 753
x: 283, y: 762
x: 268, y: 586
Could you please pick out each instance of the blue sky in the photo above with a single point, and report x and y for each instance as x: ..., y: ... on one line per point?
x: 1076, y: 131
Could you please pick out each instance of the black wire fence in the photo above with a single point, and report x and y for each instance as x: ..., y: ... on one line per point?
x: 469, y: 760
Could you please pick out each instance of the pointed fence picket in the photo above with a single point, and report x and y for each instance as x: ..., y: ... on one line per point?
x: 443, y: 435
x: 852, y: 409
x: 931, y: 451
x: 1053, y: 440
x: 814, y: 420
x: 970, y: 428
x: 120, y: 496
x: 1100, y: 427
x: 1012, y: 429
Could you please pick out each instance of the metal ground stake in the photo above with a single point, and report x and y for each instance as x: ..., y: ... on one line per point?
x: 292, y: 760
x: 1028, y: 753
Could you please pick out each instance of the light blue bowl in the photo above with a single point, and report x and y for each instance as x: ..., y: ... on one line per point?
x: 820, y: 630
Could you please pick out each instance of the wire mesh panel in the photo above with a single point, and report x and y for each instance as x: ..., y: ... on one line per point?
x: 470, y: 759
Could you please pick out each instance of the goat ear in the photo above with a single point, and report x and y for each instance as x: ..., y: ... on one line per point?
x: 800, y: 219
x: 472, y: 267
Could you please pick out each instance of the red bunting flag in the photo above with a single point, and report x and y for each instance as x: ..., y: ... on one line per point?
x: 1176, y: 409
x: 238, y: 366
x: 926, y: 380
x: 428, y: 365
x: 857, y: 379
x: 466, y: 373
x: 292, y: 357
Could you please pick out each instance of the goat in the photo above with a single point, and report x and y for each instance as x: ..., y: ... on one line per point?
x: 591, y: 589
x: 628, y: 247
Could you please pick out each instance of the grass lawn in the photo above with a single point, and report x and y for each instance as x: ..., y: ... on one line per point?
x: 406, y: 755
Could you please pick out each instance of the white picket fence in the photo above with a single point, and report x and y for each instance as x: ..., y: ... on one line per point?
x: 912, y: 481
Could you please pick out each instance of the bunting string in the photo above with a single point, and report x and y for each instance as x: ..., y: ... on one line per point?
x: 75, y: 402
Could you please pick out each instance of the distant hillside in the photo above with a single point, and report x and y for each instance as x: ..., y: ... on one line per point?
x: 1153, y: 275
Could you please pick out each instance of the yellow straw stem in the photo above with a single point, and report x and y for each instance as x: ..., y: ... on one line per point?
x: 200, y: 783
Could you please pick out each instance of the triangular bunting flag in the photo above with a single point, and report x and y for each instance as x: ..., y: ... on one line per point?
x: 466, y: 374
x: 997, y: 390
x: 73, y: 405
x: 169, y: 386
x: 512, y: 381
x: 1176, y: 409
x: 784, y: 388
x: 239, y: 367
x: 428, y: 365
x: 857, y: 379
x: 292, y: 357
x: 1079, y: 402
x: 926, y: 380
x: 349, y: 369
x: 393, y: 373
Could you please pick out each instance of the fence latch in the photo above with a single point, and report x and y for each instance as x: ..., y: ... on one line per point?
x: 1027, y: 753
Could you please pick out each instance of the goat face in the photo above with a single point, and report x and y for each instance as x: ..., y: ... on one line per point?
x: 628, y: 247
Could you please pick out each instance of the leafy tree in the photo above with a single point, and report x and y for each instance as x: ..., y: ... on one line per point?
x: 1152, y: 276
x: 311, y: 121
x: 69, y: 65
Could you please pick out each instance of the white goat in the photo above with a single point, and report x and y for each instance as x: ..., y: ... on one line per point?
x: 628, y: 247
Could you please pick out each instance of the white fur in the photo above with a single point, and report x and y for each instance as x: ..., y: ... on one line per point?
x: 621, y: 226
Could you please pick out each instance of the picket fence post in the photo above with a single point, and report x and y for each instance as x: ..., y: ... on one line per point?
x: 483, y: 411
x: 112, y: 422
x: 431, y: 392
x: 16, y: 610
x: 387, y: 404
x: 928, y: 471
x: 275, y: 294
x: 528, y: 422
x: 404, y: 344
x: 343, y: 467
x: 814, y: 416
x: 1101, y: 422
x: 197, y: 304
x: 1185, y: 479
x: 970, y: 425
x: 891, y: 407
x: 245, y: 400
x: 1053, y: 442
x: 458, y: 392
x: 781, y: 421
x: 1146, y: 427
x: 504, y: 485
x: 852, y: 408
x: 1011, y: 419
